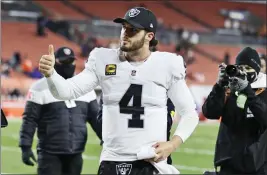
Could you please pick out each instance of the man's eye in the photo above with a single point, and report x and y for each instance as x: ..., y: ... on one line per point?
x: 134, y: 30
x: 130, y: 29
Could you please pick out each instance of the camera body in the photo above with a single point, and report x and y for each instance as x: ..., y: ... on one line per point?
x: 233, y: 70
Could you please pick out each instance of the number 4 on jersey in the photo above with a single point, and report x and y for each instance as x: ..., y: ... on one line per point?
x: 135, y: 92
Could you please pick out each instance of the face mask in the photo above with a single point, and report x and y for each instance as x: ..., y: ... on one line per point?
x: 65, y: 70
x: 252, y: 76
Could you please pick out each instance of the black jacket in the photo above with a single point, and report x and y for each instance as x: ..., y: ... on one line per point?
x: 242, y: 138
x: 4, y: 122
x: 61, y: 125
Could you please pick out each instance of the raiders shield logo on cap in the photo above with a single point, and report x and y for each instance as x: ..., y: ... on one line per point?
x: 134, y: 12
x: 123, y: 169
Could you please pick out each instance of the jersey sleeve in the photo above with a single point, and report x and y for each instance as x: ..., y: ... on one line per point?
x: 182, y: 99
x: 177, y: 68
x: 78, y: 85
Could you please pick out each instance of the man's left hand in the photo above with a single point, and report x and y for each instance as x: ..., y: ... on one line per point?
x: 163, y: 150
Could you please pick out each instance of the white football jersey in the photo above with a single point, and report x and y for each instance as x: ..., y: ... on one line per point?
x: 134, y: 98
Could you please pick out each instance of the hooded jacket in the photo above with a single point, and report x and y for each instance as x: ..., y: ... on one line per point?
x: 242, y: 139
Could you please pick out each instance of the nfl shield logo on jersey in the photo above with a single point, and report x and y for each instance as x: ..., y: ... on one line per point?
x: 123, y: 169
x: 133, y: 72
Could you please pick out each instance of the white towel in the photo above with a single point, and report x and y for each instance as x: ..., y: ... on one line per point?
x: 148, y: 152
x: 165, y: 168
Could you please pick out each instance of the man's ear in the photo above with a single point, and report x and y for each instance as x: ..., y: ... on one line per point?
x: 149, y: 36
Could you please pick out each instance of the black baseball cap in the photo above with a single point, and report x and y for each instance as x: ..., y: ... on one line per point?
x: 65, y: 53
x: 141, y: 18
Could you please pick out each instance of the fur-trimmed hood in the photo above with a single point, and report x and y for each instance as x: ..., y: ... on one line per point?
x: 261, y: 81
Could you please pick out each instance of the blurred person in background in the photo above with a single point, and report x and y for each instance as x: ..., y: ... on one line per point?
x: 41, y: 24
x: 241, y: 101
x: 114, y: 44
x: 61, y: 125
x: 227, y: 57
x: 263, y: 58
x: 179, y: 33
x: 15, y: 93
x: 28, y: 69
x: 26, y: 66
x: 88, y: 46
x: 162, y: 33
x: 184, y: 48
x: 35, y: 73
x: 15, y: 61
x: 5, y: 69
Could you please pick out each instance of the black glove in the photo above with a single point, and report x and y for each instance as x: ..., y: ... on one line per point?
x: 239, y: 83
x: 27, y: 154
x: 223, y: 79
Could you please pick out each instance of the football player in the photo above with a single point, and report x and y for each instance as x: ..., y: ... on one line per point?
x: 136, y: 84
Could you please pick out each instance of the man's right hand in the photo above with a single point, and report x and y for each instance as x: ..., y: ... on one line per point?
x: 222, y: 79
x: 27, y: 154
x: 47, y: 62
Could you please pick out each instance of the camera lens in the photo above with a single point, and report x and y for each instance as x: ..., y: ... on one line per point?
x: 231, y: 70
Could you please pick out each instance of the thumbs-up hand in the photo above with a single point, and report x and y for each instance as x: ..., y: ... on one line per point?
x: 47, y: 62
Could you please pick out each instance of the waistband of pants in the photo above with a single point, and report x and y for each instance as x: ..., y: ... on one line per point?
x: 136, y: 162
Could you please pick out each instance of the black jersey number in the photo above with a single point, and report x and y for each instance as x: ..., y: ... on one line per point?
x: 135, y: 92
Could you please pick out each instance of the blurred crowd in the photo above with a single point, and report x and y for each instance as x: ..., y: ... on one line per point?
x: 245, y: 22
x: 186, y: 42
x: 19, y: 64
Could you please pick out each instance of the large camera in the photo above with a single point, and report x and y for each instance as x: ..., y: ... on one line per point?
x: 233, y: 70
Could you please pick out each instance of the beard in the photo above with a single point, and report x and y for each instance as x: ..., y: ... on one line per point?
x: 136, y: 45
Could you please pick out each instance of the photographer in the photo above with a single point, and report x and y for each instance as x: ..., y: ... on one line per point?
x: 240, y: 99
x: 263, y: 63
